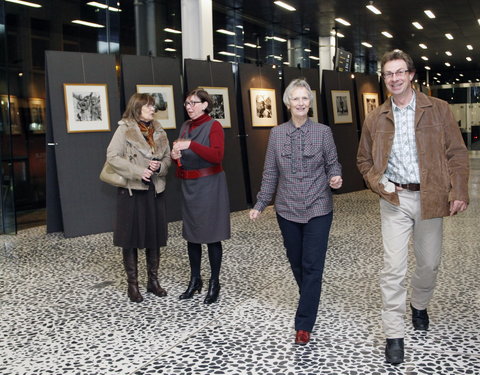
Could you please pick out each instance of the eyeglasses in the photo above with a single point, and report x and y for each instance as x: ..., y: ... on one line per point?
x: 299, y: 99
x: 398, y: 73
x: 191, y: 104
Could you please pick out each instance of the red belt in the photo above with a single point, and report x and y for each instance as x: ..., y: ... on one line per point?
x: 189, y: 174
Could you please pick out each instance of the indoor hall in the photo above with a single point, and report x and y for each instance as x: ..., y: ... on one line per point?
x: 64, y: 308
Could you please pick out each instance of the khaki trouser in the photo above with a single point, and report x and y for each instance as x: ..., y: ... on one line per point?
x: 398, y: 223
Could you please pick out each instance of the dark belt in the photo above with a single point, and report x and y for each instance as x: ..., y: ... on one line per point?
x: 189, y: 174
x: 411, y: 187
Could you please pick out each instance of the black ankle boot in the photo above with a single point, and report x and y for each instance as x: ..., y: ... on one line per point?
x: 195, y: 285
x: 130, y: 261
x: 394, y: 351
x: 213, y: 291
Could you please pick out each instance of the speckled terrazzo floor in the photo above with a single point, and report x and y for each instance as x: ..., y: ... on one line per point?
x: 64, y: 310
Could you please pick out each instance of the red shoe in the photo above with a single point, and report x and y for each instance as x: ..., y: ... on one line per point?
x: 302, y: 337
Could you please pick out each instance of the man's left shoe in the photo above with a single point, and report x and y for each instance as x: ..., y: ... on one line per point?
x: 302, y: 337
x: 420, y: 319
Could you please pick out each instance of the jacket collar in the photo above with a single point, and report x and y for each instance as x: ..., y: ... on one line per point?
x: 422, y: 101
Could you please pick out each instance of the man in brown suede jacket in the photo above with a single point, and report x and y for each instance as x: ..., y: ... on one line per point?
x: 412, y: 155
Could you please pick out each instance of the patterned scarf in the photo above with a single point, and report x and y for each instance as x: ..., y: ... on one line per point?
x: 147, y: 130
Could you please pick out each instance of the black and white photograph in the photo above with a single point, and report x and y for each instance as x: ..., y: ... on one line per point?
x: 263, y: 107
x: 86, y: 107
x: 370, y: 102
x: 221, y: 105
x: 342, y: 107
x: 164, y: 103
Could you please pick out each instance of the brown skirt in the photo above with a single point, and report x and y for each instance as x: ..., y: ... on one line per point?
x: 141, y: 220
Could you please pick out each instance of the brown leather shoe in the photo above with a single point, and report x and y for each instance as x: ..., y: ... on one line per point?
x: 302, y: 337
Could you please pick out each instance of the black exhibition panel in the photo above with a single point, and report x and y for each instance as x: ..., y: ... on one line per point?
x: 205, y: 74
x: 312, y: 77
x: 87, y: 205
x: 262, y: 77
x: 147, y: 70
x: 365, y: 84
x: 345, y: 135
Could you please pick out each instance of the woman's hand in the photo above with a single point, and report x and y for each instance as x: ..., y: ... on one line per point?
x: 254, y: 214
x: 181, y: 144
x: 336, y: 182
x: 154, y: 165
x: 147, y: 173
x: 175, y: 154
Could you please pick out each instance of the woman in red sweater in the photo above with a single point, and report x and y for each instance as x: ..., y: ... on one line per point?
x: 205, y: 207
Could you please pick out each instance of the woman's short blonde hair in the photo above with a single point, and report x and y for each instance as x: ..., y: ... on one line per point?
x: 295, y: 84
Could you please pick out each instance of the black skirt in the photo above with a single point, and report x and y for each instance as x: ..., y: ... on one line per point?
x: 141, y: 220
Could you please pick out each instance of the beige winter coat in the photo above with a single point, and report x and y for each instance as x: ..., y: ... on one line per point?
x: 129, y: 154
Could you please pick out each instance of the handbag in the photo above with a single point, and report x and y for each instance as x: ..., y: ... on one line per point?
x: 111, y: 177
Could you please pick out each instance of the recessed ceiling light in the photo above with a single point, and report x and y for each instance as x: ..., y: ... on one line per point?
x: 387, y: 34
x: 461, y: 74
x: 468, y: 58
x: 307, y: 50
x: 103, y: 6
x: 439, y: 74
x: 425, y: 58
x: 373, y: 9
x: 168, y: 49
x: 429, y: 13
x: 251, y: 45
x: 340, y: 35
x: 469, y: 46
x: 366, y: 44
x: 234, y: 46
x: 447, y: 64
x: 314, y: 58
x: 478, y: 21
x: 226, y: 32
x: 173, y: 31
x: 342, y: 21
x: 423, y: 46
x: 284, y: 6
x: 26, y: 3
x: 168, y: 40
x: 417, y: 25
x: 448, y: 53
x: 449, y: 36
x: 89, y: 24
x: 227, y: 53
x: 427, y: 67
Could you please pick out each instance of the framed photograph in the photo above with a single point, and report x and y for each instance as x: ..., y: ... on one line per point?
x: 164, y: 103
x: 370, y: 102
x: 263, y: 107
x: 86, y: 106
x: 221, y: 105
x: 36, y: 107
x: 313, y: 106
x: 342, y: 107
x: 10, y: 103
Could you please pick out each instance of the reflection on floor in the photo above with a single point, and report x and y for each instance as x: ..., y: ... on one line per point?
x: 64, y: 308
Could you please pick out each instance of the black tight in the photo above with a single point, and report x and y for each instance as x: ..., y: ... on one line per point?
x: 214, y: 256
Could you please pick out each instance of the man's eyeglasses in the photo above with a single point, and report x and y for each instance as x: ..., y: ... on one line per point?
x: 191, y: 104
x: 398, y: 73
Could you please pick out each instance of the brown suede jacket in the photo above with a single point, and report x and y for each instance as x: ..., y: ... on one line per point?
x: 442, y: 155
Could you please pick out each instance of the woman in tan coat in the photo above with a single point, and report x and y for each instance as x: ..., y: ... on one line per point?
x: 139, y: 151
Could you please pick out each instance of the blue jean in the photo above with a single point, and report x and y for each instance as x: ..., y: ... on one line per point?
x: 306, y: 246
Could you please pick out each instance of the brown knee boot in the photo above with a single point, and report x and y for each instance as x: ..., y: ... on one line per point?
x: 130, y: 261
x: 153, y: 261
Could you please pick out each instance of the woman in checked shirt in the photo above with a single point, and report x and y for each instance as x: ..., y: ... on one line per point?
x: 301, y: 165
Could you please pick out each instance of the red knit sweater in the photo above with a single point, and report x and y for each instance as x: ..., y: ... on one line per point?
x: 214, y: 153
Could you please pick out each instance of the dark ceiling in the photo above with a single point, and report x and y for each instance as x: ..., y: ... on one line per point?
x: 316, y: 18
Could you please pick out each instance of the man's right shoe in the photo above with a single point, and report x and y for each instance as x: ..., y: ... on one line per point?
x: 420, y: 319
x: 394, y: 351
